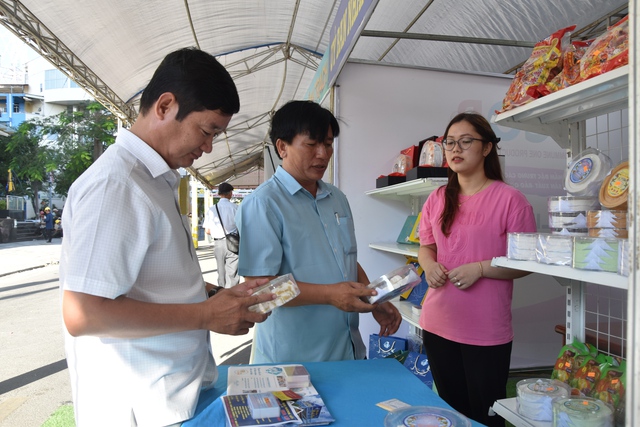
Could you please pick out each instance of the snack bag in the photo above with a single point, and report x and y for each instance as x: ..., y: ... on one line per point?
x: 587, y: 374
x: 402, y: 164
x: 570, y: 73
x: 607, y: 52
x: 566, y: 364
x: 542, y: 66
x: 610, y: 387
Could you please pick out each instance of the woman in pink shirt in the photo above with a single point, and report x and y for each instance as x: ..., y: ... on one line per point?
x: 466, y: 317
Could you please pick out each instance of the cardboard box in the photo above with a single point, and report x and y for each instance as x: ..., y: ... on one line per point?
x: 426, y: 172
x: 385, y: 181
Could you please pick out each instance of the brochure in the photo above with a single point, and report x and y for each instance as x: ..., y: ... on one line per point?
x: 304, y: 407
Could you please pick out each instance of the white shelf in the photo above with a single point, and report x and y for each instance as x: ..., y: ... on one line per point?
x: 599, y: 277
x: 404, y: 307
x: 551, y: 114
x: 508, y: 409
x: 396, y: 248
x: 416, y: 187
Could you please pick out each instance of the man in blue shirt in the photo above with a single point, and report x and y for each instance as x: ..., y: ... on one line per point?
x: 48, y: 224
x: 296, y: 223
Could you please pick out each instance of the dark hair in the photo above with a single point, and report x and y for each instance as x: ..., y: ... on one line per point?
x: 492, y: 169
x: 225, y: 188
x: 197, y: 80
x: 302, y: 118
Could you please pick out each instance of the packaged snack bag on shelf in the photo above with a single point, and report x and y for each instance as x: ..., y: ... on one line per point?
x: 542, y: 66
x: 570, y: 73
x: 566, y: 364
x: 610, y: 386
x: 587, y: 374
x: 607, y: 52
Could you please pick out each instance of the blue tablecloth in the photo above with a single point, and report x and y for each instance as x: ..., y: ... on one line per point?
x: 350, y: 389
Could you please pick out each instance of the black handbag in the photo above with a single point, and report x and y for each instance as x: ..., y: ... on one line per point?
x: 233, y: 238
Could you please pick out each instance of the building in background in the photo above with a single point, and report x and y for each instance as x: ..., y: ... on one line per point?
x: 36, y: 89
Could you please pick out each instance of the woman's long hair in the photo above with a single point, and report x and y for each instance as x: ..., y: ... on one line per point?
x: 492, y: 168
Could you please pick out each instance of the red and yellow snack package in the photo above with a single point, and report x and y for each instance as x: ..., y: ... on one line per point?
x: 607, y: 52
x: 542, y: 66
x: 570, y: 73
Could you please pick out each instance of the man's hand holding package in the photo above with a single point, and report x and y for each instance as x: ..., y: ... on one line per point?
x: 227, y: 312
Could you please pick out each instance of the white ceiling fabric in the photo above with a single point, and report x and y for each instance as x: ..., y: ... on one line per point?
x: 123, y: 41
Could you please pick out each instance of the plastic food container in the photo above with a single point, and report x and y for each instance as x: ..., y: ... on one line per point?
x: 394, y: 283
x: 581, y: 411
x: 425, y: 416
x: 285, y: 288
x: 535, y: 396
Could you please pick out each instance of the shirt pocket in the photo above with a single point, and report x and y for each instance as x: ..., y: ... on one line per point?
x: 347, y: 235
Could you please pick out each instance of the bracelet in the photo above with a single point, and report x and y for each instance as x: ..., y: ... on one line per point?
x: 481, y: 271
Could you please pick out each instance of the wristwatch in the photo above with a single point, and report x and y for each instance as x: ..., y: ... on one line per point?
x: 213, y: 291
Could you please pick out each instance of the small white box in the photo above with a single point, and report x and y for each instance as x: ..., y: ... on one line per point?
x: 263, y: 405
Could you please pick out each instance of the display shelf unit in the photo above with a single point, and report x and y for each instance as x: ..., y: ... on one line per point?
x: 598, y: 277
x: 411, y: 193
x: 406, y: 190
x: 560, y: 115
x: 396, y: 248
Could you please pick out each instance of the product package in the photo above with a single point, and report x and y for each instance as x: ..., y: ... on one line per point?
x: 522, y: 246
x: 607, y: 52
x: 394, y: 283
x: 614, y: 190
x: 534, y: 397
x: 586, y: 173
x: 581, y: 411
x: 541, y: 67
x: 554, y: 249
x: 285, y: 288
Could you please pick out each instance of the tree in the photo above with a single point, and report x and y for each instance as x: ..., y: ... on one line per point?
x: 80, y: 137
x: 5, y: 158
x: 61, y: 146
x: 30, y: 160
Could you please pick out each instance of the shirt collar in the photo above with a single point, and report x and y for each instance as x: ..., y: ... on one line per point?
x: 293, y: 186
x: 146, y: 155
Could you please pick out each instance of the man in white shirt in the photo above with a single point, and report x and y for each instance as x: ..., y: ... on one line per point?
x: 134, y: 302
x: 226, y: 261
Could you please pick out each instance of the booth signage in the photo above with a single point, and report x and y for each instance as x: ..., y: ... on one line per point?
x: 350, y: 20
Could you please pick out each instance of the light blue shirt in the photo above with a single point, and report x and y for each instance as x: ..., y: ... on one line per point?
x: 284, y: 229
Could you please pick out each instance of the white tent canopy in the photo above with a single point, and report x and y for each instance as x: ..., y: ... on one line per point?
x: 273, y: 47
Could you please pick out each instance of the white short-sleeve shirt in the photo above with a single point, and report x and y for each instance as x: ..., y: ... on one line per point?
x: 124, y: 235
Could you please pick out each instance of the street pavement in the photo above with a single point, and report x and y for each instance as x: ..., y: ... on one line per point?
x: 34, y: 380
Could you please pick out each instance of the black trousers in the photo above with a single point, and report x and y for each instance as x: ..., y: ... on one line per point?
x: 470, y: 378
x: 48, y: 234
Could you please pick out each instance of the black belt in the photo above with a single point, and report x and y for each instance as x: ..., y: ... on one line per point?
x: 222, y: 238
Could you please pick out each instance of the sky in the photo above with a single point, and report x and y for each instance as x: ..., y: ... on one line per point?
x: 13, y: 54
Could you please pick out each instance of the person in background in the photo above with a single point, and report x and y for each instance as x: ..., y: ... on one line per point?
x: 226, y: 261
x: 466, y: 317
x: 134, y: 302
x: 48, y: 224
x: 296, y: 223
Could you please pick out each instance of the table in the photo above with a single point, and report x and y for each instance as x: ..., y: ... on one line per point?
x: 350, y: 389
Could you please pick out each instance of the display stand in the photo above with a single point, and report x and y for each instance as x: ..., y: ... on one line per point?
x: 411, y: 193
x: 558, y: 115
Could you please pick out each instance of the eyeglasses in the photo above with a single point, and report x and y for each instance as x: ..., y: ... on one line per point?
x: 464, y: 143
